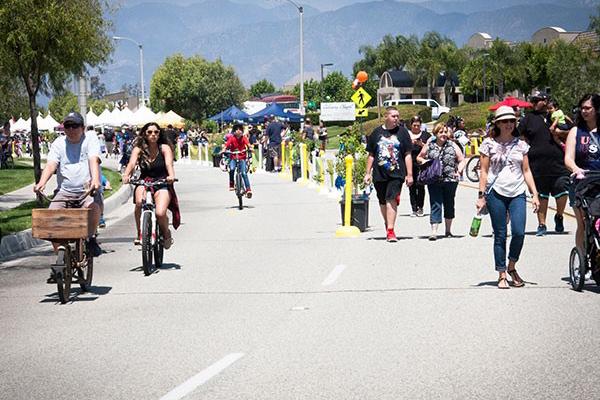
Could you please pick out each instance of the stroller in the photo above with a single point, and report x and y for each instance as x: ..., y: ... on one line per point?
x: 587, y: 198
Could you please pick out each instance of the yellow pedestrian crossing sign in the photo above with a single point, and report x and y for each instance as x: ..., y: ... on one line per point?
x: 362, y: 112
x: 361, y: 98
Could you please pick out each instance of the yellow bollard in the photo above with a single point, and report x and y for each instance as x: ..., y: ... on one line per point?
x: 306, y: 175
x: 347, y: 230
x: 290, y: 161
x: 303, y: 165
x: 283, y: 161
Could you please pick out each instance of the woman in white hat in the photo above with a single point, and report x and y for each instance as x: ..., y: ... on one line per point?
x: 504, y: 178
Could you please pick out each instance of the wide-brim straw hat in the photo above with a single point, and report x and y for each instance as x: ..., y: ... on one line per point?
x: 504, y: 113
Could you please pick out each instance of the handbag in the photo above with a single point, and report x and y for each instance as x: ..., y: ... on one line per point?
x: 430, y: 173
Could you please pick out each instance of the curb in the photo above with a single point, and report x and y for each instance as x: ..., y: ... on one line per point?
x: 21, y: 241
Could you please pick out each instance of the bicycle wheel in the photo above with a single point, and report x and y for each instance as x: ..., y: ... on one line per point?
x: 577, y: 269
x: 85, y: 273
x: 239, y: 190
x: 147, y: 243
x: 63, y: 277
x: 158, y: 248
x: 473, y: 168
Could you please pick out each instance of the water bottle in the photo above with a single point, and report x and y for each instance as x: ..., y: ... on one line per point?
x: 475, y: 225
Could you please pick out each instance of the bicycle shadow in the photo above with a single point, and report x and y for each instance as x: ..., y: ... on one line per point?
x: 589, y: 285
x: 164, y: 267
x: 243, y: 207
x: 78, y: 295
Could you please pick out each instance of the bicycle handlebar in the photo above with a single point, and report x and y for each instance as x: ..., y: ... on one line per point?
x: 156, y: 182
x: 89, y: 192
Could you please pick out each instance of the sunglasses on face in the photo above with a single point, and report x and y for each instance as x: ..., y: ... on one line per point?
x: 152, y: 131
x: 507, y: 121
x: 72, y: 126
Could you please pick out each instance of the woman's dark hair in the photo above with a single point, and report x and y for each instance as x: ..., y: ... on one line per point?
x: 414, y: 119
x: 553, y: 103
x: 496, y: 130
x: 141, y: 142
x: 595, y: 99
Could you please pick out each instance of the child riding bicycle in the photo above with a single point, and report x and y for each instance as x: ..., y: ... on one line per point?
x: 240, y: 148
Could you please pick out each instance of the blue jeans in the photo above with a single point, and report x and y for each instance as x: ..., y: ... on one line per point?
x: 243, y: 170
x: 498, y: 206
x: 441, y: 194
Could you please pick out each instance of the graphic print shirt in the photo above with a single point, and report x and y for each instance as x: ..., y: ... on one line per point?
x: 389, y: 147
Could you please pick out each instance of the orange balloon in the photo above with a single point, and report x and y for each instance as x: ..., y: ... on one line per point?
x: 362, y: 76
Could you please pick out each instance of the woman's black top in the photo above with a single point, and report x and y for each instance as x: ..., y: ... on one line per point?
x: 156, y: 169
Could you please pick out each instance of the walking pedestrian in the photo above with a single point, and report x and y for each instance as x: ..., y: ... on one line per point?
x: 389, y: 164
x: 505, y: 176
x: 443, y: 192
x: 582, y: 150
x: 547, y: 162
x: 417, y: 190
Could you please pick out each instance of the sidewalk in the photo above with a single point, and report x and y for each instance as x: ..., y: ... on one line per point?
x: 25, y: 194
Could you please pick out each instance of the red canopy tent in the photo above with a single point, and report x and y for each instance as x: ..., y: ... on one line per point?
x: 511, y: 102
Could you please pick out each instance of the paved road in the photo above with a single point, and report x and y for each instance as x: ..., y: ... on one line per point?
x: 265, y: 303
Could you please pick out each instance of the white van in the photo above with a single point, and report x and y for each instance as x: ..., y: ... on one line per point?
x: 436, y: 110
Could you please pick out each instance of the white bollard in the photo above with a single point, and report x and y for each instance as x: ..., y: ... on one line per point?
x: 313, y: 171
x: 206, y: 162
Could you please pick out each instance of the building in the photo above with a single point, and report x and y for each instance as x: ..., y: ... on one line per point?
x: 480, y: 41
x: 397, y: 84
x: 551, y: 34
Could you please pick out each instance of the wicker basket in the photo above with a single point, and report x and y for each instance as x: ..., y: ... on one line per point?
x: 68, y: 223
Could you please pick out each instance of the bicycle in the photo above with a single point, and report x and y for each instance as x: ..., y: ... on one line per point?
x: 473, y: 168
x: 152, y: 236
x: 71, y: 227
x: 238, y: 182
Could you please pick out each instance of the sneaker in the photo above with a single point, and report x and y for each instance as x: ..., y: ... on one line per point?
x: 419, y: 212
x: 432, y: 237
x: 541, y: 230
x: 102, y: 223
x: 231, y: 188
x: 391, y: 236
x: 413, y: 214
x: 249, y: 193
x: 559, y: 226
x: 95, y: 249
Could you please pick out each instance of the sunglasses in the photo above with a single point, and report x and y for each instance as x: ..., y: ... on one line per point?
x: 152, y: 131
x: 72, y: 126
x: 507, y: 121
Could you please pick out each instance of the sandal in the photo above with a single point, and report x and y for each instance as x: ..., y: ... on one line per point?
x: 516, y: 279
x: 168, y: 242
x: 503, y: 285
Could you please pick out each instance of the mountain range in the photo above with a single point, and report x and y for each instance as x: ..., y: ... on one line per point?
x: 260, y: 38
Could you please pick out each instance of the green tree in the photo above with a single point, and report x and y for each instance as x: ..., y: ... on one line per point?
x: 13, y: 98
x: 394, y: 52
x: 336, y: 87
x: 194, y: 87
x: 312, y: 91
x: 60, y: 105
x: 595, y: 23
x: 573, y: 71
x: 45, y: 42
x: 261, y: 87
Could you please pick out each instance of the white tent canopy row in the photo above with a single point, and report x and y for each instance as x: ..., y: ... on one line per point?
x: 117, y: 117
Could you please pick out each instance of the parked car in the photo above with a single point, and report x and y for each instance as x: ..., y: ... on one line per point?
x: 436, y: 109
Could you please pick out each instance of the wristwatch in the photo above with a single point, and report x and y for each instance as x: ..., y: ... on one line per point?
x: 480, y: 194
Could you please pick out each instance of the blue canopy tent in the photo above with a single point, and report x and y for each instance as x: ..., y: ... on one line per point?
x: 230, y: 115
x: 276, y: 110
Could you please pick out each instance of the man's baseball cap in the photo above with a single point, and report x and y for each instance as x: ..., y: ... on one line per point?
x: 538, y: 96
x: 74, y: 118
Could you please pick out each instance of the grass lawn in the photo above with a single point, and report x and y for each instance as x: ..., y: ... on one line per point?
x: 19, y: 218
x: 17, y: 177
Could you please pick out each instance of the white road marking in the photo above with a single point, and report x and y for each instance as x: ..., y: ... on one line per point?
x: 202, y: 377
x: 332, y: 277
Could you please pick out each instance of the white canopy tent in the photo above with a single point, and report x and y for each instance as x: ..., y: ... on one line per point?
x: 91, y: 118
x: 104, y: 117
x: 48, y: 123
x: 126, y: 116
x: 115, y: 117
x: 21, y: 125
x: 142, y: 116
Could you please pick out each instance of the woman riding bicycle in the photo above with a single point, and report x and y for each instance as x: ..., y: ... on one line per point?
x: 240, y: 144
x: 154, y: 155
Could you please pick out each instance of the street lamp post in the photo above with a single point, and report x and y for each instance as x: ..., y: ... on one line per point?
x: 301, y: 11
x: 139, y: 45
x: 323, y: 65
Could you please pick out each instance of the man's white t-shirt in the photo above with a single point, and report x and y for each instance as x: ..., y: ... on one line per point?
x: 73, y: 161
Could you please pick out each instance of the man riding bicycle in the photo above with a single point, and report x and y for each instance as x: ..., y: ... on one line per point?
x: 75, y: 157
x: 239, y: 146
